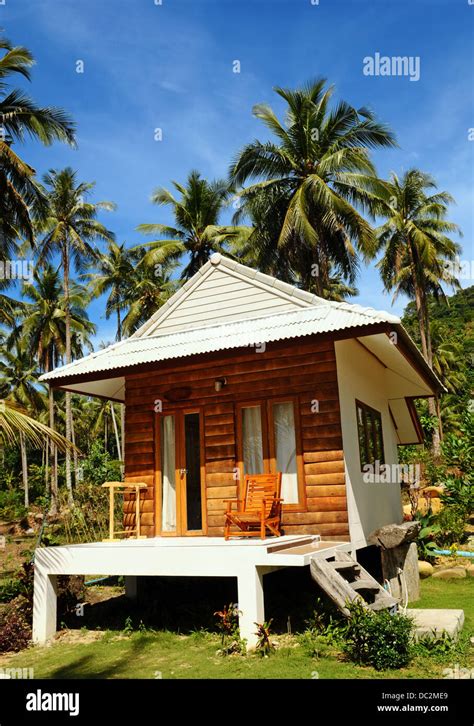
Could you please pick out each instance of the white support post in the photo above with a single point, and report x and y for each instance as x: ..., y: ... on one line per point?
x: 131, y: 587
x: 44, y: 605
x: 251, y: 603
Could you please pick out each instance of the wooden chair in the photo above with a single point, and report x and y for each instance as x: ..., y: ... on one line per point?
x: 259, y: 510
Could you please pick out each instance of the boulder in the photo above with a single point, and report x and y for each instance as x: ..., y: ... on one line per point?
x: 451, y: 573
x: 393, y: 535
x: 432, y: 492
x: 425, y: 569
x: 470, y: 569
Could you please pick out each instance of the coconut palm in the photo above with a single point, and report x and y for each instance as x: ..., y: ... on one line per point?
x: 416, y: 247
x: 15, y: 422
x: 19, y: 376
x: 70, y: 226
x: 43, y: 327
x: 148, y: 289
x: 112, y: 273
x: 319, y: 172
x: 197, y: 232
x: 417, y: 251
x: 20, y: 118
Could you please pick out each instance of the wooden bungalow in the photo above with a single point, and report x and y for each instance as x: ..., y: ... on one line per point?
x: 240, y: 373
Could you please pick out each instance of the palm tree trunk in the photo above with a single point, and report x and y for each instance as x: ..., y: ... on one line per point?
x: 119, y: 325
x: 75, y: 456
x: 53, y: 507
x: 68, y: 360
x: 426, y: 349
x: 24, y: 468
x: 421, y: 317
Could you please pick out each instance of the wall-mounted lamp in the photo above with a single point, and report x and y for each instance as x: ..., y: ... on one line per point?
x: 219, y: 384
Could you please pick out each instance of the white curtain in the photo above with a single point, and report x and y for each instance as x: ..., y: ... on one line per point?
x: 285, y: 446
x: 168, y: 474
x: 252, y: 440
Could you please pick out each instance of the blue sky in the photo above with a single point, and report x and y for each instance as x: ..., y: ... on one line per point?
x: 170, y: 66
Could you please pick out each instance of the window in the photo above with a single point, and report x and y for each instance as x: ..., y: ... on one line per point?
x: 269, y: 442
x: 252, y: 440
x: 369, y: 430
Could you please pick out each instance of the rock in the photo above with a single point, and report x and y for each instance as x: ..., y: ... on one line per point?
x: 425, y: 569
x: 432, y: 492
x: 452, y: 573
x: 393, y: 535
x: 470, y: 569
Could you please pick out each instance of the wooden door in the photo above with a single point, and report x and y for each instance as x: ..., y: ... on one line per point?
x: 180, y: 509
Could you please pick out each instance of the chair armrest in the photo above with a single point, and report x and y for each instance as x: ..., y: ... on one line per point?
x: 230, y: 502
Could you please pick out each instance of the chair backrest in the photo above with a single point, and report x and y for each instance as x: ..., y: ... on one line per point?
x: 258, y: 487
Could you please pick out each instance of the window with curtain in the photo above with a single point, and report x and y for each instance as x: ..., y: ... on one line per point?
x: 252, y: 440
x: 369, y: 430
x: 275, y: 452
x: 285, y: 450
x: 168, y: 473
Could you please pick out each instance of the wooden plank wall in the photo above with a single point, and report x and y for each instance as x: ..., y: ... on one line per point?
x: 304, y: 368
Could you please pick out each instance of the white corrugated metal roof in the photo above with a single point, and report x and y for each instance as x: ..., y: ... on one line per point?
x: 280, y: 326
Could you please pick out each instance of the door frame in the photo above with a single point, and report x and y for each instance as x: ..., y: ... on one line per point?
x: 180, y: 446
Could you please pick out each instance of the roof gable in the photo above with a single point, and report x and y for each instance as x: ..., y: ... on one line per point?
x: 224, y: 291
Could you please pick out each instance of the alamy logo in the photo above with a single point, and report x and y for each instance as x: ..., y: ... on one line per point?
x: 16, y: 672
x: 384, y: 65
x: 39, y: 701
x: 378, y: 473
x: 16, y: 270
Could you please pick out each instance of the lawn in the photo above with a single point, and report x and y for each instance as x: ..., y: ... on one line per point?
x: 170, y: 655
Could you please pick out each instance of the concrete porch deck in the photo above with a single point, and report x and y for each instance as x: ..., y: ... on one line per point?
x: 247, y: 560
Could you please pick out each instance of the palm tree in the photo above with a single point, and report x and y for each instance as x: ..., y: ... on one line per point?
x: 21, y: 118
x: 14, y: 423
x: 417, y: 251
x: 19, y: 376
x: 112, y: 273
x: 148, y: 289
x: 44, y: 328
x: 317, y: 171
x: 197, y: 231
x: 70, y: 225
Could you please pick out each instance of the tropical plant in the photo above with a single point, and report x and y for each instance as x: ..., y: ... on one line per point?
x: 148, y: 288
x: 318, y: 171
x: 378, y: 639
x: 21, y: 118
x: 14, y: 422
x: 429, y: 530
x: 197, y: 232
x: 70, y: 226
x: 264, y: 644
x: 417, y: 251
x: 19, y: 375
x: 112, y: 273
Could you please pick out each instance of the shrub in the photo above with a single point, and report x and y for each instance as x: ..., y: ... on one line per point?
x: 15, y: 633
x: 458, y: 448
x: 264, y: 645
x: 378, y: 638
x: 451, y: 522
x: 98, y: 466
x: 228, y: 626
x: 11, y: 504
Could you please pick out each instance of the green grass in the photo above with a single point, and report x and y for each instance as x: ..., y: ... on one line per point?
x: 171, y: 655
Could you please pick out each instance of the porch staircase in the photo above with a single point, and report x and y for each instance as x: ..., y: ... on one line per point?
x: 345, y: 581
